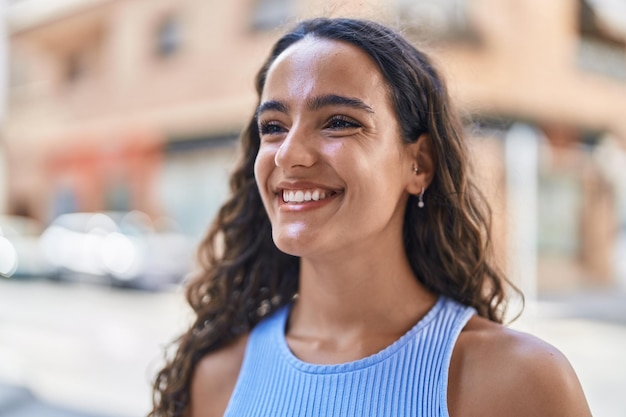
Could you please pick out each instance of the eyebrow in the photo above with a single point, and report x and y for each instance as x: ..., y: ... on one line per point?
x: 317, y: 103
x: 271, y: 105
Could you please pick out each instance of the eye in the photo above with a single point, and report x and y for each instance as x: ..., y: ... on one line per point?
x: 270, y: 128
x: 340, y: 122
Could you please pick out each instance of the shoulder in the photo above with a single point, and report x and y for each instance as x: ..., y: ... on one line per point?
x: 214, y: 379
x: 498, y: 371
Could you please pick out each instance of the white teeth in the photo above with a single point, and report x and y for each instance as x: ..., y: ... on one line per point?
x: 300, y: 196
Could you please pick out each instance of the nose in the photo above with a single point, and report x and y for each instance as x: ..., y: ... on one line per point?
x: 297, y: 150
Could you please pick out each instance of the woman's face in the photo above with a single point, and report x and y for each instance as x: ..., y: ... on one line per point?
x: 331, y: 169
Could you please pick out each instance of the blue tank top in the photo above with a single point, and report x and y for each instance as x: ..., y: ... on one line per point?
x: 407, y: 378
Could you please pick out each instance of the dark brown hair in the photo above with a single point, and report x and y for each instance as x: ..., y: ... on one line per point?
x: 244, y: 276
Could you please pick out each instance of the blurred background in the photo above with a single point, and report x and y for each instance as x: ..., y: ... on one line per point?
x: 118, y: 128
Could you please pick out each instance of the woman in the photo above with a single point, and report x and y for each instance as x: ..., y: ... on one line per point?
x: 350, y: 271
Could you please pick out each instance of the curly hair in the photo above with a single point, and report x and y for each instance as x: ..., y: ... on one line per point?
x: 243, y: 276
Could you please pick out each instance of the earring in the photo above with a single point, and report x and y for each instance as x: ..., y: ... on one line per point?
x: 415, y: 168
x: 420, y: 199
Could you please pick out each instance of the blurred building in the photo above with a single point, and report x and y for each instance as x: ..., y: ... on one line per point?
x: 136, y: 104
x: 3, y: 94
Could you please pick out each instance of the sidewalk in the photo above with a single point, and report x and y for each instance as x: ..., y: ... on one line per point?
x: 605, y: 306
x: 21, y: 402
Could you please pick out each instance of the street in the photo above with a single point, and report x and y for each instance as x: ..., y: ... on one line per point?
x: 89, y: 348
x: 95, y: 349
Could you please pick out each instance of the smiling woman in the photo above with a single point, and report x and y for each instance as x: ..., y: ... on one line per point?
x: 350, y: 271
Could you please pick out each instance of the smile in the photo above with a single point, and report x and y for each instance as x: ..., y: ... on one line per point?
x: 301, y: 196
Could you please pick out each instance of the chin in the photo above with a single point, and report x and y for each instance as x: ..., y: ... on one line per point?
x: 290, y: 246
x: 295, y: 244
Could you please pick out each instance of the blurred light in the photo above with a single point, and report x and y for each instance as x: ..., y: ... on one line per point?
x: 74, y: 250
x: 138, y: 221
x: 8, y: 257
x: 100, y: 221
x: 88, y: 260
x: 119, y: 255
x: 54, y: 243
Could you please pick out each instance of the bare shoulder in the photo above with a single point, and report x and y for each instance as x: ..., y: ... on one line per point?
x: 498, y: 371
x: 214, y: 379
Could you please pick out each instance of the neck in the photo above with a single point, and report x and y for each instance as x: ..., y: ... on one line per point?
x: 367, y: 295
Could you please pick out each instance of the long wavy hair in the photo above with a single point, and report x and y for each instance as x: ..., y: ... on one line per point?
x: 243, y: 276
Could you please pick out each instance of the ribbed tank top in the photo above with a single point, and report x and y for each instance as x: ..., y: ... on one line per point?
x: 407, y: 378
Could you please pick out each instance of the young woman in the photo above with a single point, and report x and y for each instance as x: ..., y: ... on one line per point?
x: 349, y: 274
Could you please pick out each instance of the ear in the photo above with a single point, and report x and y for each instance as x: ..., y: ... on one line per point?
x: 422, y: 154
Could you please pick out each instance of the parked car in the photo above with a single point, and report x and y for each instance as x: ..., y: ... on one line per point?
x: 21, y: 253
x: 121, y: 248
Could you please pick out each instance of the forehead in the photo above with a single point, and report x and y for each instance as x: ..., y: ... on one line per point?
x: 316, y: 66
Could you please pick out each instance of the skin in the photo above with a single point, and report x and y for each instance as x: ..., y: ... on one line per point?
x: 358, y: 293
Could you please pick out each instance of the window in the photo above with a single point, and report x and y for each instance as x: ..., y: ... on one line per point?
x: 443, y: 19
x: 80, y: 55
x: 269, y: 14
x: 76, y: 66
x: 168, y: 36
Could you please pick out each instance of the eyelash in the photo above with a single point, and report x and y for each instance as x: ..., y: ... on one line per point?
x: 336, y: 122
x: 269, y: 128
x: 345, y: 121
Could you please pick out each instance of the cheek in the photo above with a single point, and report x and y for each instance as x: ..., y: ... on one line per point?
x: 263, y: 165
